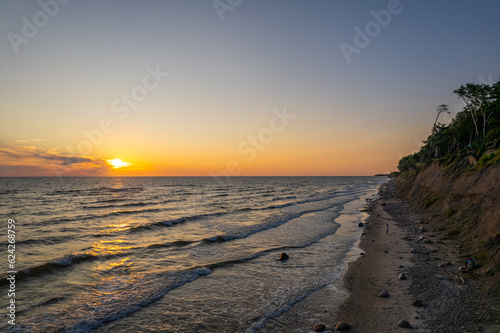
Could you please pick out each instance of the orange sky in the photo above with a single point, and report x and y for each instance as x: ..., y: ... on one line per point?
x: 265, y: 90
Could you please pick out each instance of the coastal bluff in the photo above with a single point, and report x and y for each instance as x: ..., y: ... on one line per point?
x: 462, y: 206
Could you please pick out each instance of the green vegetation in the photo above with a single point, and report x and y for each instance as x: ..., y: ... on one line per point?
x: 471, y: 141
x: 450, y: 212
x: 429, y: 201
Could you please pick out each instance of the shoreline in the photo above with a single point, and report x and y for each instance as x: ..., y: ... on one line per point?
x: 385, y: 257
x: 450, y: 301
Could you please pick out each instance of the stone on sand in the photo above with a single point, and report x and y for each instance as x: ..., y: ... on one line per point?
x: 319, y: 327
x: 403, y: 324
x: 342, y: 326
x: 402, y: 276
x: 417, y: 302
x: 284, y: 256
x: 383, y: 294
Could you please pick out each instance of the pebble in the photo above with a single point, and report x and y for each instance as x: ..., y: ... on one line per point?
x: 403, y: 324
x: 417, y: 302
x: 383, y: 294
x: 319, y: 327
x: 284, y: 256
x: 402, y: 276
x: 342, y: 326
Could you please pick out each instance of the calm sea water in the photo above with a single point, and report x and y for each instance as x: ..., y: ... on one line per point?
x: 174, y: 254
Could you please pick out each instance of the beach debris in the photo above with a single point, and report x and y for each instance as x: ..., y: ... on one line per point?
x: 403, y: 323
x: 383, y: 294
x: 319, y: 327
x: 402, y: 276
x: 284, y: 256
x: 361, y: 224
x: 342, y: 326
x: 417, y: 302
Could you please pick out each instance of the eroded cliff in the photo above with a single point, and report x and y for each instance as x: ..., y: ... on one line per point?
x: 465, y: 206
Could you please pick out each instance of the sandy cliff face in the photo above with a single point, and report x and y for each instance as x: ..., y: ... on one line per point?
x: 465, y: 206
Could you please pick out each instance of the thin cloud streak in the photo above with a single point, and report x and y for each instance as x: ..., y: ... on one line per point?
x: 33, y: 161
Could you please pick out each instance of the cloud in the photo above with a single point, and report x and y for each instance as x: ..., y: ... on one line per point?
x: 31, y: 140
x: 35, y: 161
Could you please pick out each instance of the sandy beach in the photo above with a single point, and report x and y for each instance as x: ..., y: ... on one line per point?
x: 449, y: 301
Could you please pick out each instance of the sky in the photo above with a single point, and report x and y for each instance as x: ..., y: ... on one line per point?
x: 232, y: 87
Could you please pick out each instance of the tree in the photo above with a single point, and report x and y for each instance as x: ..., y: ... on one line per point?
x: 440, y: 109
x: 476, y: 98
x: 472, y: 131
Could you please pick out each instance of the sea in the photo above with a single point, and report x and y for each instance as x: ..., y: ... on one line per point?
x: 172, y: 254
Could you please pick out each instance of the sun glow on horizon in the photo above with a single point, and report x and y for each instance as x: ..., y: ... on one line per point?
x: 117, y: 163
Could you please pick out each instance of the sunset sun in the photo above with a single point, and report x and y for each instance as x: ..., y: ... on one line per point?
x: 117, y: 163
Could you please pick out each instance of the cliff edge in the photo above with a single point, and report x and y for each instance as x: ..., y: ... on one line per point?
x: 463, y: 206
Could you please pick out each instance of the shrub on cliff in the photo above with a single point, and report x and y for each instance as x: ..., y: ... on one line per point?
x: 473, y: 131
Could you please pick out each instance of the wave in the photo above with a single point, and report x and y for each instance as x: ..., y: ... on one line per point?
x: 179, y: 243
x: 72, y: 259
x: 117, y: 298
x: 99, y: 216
x: 170, y: 223
x: 105, y: 201
x: 95, y: 191
x: 221, y: 238
x: 153, y: 225
x: 111, y: 300
x: 290, y: 197
x: 45, y: 241
x: 85, y: 217
x: 132, y: 204
x: 13, y: 191
x: 57, y: 264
